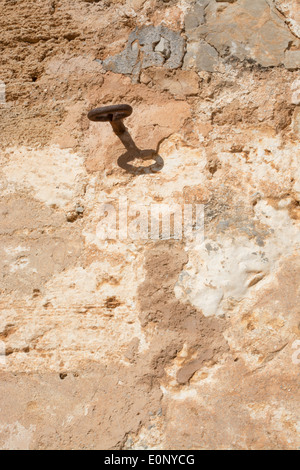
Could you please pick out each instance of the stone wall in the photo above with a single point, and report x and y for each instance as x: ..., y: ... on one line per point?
x: 150, y: 343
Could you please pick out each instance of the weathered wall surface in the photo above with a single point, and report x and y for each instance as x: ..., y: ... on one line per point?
x: 157, y: 344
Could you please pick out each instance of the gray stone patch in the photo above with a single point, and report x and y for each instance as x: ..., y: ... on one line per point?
x: 201, y: 56
x: 126, y: 61
x: 164, y: 48
x: 292, y: 60
x: 246, y: 30
x: 196, y: 16
x: 215, y: 30
x: 147, y: 47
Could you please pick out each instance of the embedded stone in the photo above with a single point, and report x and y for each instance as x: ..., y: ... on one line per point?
x: 251, y: 31
x: 292, y: 60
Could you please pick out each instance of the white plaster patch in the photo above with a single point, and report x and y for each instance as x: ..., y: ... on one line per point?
x: 221, y: 273
x: 15, y: 250
x: 54, y: 175
x: 19, y: 438
x: 21, y: 263
x: 184, y: 394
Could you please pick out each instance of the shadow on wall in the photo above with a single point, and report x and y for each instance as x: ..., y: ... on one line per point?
x: 144, y: 155
x: 134, y: 153
x: 115, y: 115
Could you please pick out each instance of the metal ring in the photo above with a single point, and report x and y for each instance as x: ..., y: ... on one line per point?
x: 110, y: 113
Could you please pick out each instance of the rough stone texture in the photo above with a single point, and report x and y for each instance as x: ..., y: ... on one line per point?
x: 290, y: 9
x: 245, y: 30
x: 158, y: 344
x: 201, y: 56
x: 196, y: 16
x: 292, y: 60
x: 147, y: 47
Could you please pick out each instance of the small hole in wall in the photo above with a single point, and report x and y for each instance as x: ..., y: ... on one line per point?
x: 36, y: 293
x: 34, y: 79
x: 63, y: 375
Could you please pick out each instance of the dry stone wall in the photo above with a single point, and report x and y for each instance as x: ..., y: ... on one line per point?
x: 142, y: 343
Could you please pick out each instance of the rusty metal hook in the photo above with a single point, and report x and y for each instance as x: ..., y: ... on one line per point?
x: 115, y: 115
